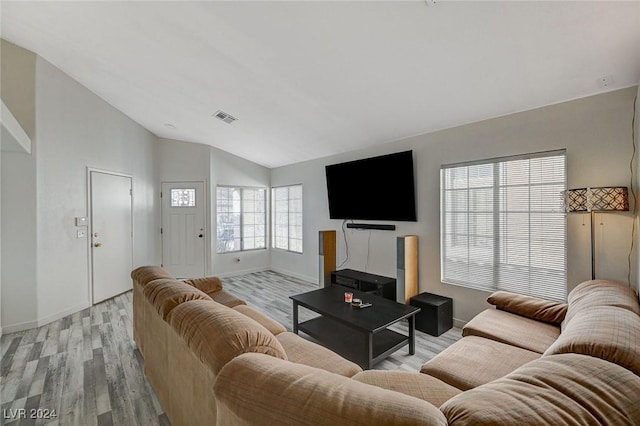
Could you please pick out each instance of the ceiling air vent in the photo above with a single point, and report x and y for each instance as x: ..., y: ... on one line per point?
x: 227, y: 118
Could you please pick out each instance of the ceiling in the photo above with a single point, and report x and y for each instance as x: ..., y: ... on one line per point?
x: 311, y: 79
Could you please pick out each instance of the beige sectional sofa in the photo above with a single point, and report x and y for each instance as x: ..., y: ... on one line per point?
x: 525, y: 361
x: 188, y: 330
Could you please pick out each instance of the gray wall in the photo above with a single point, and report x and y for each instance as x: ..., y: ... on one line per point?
x: 228, y: 169
x: 45, y: 270
x: 594, y: 130
x: 19, y: 197
x: 184, y: 161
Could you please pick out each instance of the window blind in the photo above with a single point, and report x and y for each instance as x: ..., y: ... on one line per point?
x: 502, y: 224
x: 287, y: 218
x: 241, y: 218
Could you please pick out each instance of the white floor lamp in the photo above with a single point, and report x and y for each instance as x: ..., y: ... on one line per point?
x: 595, y: 200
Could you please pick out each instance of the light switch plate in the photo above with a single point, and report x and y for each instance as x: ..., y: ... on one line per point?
x: 81, y: 221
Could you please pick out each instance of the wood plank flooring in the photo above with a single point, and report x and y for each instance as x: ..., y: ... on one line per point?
x: 85, y: 369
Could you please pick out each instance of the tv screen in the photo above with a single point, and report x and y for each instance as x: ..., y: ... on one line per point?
x: 377, y: 188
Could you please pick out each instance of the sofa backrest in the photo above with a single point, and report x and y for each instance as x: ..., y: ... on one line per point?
x: 567, y: 389
x: 603, y: 321
x: 165, y: 294
x: 254, y: 389
x: 146, y: 274
x: 216, y: 333
x: 595, y: 293
x: 607, y: 332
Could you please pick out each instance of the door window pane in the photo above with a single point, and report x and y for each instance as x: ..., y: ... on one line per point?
x: 183, y: 197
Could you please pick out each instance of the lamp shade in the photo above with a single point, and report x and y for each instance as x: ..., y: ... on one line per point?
x: 597, y: 199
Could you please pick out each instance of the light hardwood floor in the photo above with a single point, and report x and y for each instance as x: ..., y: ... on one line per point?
x: 85, y: 369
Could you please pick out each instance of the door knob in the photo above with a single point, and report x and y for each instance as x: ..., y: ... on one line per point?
x: 97, y: 244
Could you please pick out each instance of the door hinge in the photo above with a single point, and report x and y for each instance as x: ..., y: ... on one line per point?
x: 130, y: 192
x: 160, y: 194
x: 160, y: 231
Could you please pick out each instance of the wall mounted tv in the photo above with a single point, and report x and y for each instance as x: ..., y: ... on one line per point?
x: 377, y: 188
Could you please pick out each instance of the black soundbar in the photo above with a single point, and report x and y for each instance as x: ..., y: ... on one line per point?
x: 375, y: 226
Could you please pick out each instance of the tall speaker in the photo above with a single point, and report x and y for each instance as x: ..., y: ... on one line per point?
x: 407, y: 275
x: 327, y: 252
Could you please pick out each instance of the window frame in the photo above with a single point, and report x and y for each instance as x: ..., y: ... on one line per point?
x: 499, y: 218
x: 274, y: 218
x: 241, y: 190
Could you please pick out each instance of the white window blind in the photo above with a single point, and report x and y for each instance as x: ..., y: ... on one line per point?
x: 287, y: 218
x: 241, y: 219
x: 502, y: 224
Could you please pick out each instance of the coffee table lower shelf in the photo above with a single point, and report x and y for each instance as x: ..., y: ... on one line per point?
x: 351, y: 343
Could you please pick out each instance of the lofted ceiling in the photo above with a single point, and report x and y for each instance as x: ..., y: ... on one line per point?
x: 311, y: 79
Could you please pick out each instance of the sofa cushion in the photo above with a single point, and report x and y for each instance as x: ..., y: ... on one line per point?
x: 166, y: 294
x: 146, y: 274
x: 605, y: 332
x: 474, y: 361
x: 565, y: 389
x: 421, y: 386
x: 590, y: 294
x: 269, y: 323
x: 206, y: 284
x: 225, y: 298
x: 254, y: 389
x: 216, y: 334
x: 302, y: 351
x: 512, y: 329
x: 528, y: 306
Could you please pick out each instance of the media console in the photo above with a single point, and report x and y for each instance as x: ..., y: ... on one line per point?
x: 365, y: 282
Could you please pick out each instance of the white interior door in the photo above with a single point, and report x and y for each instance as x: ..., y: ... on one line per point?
x: 183, y: 229
x: 111, y: 234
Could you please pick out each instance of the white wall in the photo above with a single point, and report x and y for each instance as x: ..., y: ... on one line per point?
x: 228, y: 169
x: 76, y: 129
x: 184, y: 161
x: 19, y: 203
x: 637, y: 189
x: 595, y: 132
x: 187, y: 162
x: 45, y: 267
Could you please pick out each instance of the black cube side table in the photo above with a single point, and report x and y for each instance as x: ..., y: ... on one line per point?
x: 436, y: 315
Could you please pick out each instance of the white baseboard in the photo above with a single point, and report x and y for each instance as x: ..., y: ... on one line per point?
x: 312, y: 280
x: 21, y: 326
x: 62, y: 314
x: 27, y: 325
x: 240, y: 272
x: 459, y: 323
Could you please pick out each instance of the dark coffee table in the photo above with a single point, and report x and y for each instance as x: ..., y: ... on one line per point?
x: 359, y: 334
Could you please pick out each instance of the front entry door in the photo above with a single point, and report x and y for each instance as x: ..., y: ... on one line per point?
x: 111, y: 234
x: 183, y: 230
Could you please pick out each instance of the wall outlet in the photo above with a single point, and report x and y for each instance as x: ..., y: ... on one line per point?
x: 81, y: 233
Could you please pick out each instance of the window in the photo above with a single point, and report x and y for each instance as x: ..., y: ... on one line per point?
x: 502, y: 224
x: 241, y: 219
x: 183, y: 197
x: 287, y: 218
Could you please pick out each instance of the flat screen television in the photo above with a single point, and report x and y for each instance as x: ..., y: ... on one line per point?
x: 376, y: 188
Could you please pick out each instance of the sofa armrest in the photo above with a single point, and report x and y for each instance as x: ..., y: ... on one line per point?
x: 529, y: 306
x: 256, y: 389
